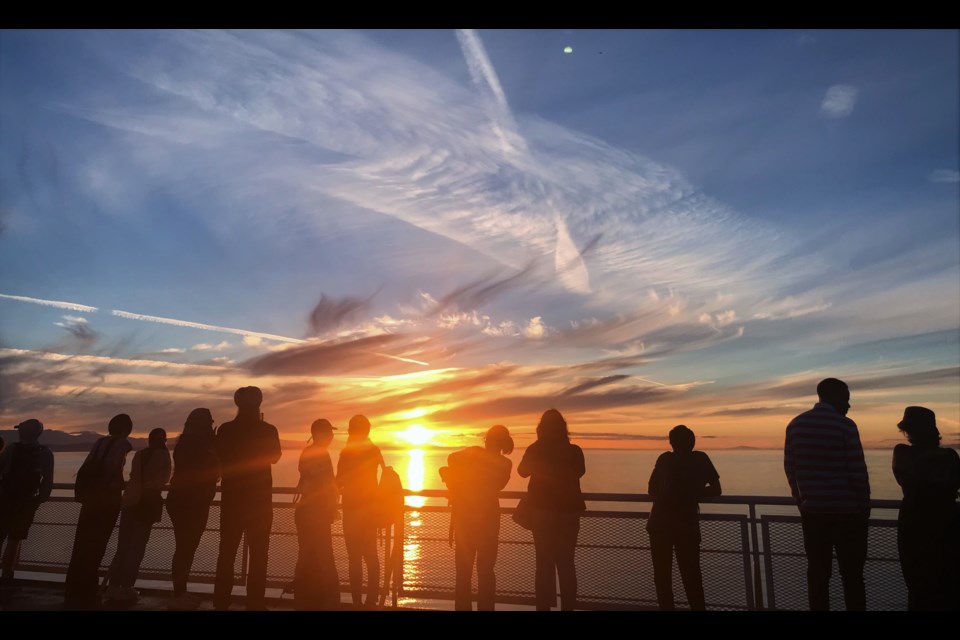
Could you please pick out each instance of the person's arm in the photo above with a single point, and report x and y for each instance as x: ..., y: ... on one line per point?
x: 711, y: 485
x: 896, y: 466
x: 525, y: 468
x: 857, y: 475
x: 275, y: 451
x: 166, y: 469
x: 653, y: 483
x: 789, y: 464
x: 46, y: 485
x: 579, y: 464
x: 504, y: 478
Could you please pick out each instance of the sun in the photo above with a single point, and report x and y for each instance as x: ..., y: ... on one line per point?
x: 417, y: 435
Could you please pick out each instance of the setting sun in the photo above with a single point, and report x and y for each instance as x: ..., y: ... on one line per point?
x: 417, y: 434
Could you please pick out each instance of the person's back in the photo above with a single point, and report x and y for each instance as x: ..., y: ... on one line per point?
x: 929, y: 476
x: 477, y: 475
x: 247, y: 447
x: 554, y: 469
x: 196, y: 469
x: 824, y: 462
x: 357, y: 473
x: 677, y: 486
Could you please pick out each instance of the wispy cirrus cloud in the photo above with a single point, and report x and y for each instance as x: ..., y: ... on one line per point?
x: 59, y: 304
x: 948, y: 176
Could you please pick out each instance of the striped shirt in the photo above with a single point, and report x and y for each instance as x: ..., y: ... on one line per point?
x: 823, y: 460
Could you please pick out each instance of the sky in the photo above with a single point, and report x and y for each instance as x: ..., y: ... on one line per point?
x: 459, y: 228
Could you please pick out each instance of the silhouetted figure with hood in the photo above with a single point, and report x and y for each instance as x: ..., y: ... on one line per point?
x: 475, y: 476
x: 928, y: 525
x: 140, y: 508
x: 679, y: 479
x: 196, y: 470
x: 357, y: 470
x: 246, y: 447
x: 98, y: 516
x: 26, y: 480
x: 316, y: 583
x: 554, y: 467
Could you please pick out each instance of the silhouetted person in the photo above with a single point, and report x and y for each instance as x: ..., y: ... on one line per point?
x: 824, y: 463
x: 26, y: 479
x: 193, y: 487
x: 475, y: 476
x: 357, y: 476
x: 247, y: 447
x: 928, y: 526
x: 98, y: 515
x: 679, y: 479
x: 554, y: 467
x: 140, y: 508
x: 316, y: 583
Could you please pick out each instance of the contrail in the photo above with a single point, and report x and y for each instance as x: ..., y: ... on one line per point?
x: 206, y: 327
x: 129, y: 362
x: 485, y: 77
x: 71, y: 306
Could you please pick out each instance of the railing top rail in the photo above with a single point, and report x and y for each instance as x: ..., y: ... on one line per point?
x: 600, y: 497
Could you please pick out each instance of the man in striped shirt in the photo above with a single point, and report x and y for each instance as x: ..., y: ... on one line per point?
x: 824, y: 463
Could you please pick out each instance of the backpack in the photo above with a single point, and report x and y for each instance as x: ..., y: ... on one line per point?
x: 389, y: 498
x: 24, y: 473
x: 91, y: 481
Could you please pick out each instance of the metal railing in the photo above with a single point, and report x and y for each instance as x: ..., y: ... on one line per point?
x: 752, y: 553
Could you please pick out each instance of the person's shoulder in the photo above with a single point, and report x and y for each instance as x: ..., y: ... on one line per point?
x: 901, y: 449
x: 701, y: 455
x: 663, y: 457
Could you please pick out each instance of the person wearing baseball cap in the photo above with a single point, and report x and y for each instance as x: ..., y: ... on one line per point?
x: 316, y: 583
x: 928, y: 524
x: 26, y: 480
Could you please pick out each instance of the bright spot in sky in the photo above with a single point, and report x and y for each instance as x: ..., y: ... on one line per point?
x: 568, y: 49
x: 417, y: 434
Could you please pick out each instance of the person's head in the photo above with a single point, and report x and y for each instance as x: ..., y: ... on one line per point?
x: 199, y: 423
x: 552, y: 427
x: 120, y: 425
x: 836, y: 393
x: 321, y: 431
x: 248, y: 399
x: 30, y: 431
x: 359, y: 427
x: 498, y: 439
x: 682, y: 439
x: 919, y: 424
x: 157, y: 438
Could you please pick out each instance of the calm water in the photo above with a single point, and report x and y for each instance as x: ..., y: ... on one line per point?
x: 751, y: 473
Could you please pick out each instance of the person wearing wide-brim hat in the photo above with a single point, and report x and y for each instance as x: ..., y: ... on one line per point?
x: 928, y: 525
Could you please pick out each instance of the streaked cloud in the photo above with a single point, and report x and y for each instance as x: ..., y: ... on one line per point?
x: 69, y: 306
x: 944, y: 175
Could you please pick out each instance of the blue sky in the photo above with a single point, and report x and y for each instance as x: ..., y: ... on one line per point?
x: 658, y: 227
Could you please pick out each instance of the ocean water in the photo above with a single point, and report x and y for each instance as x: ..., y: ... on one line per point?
x: 742, y: 472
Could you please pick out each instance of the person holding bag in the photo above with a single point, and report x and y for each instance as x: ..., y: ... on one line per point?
x: 141, y: 508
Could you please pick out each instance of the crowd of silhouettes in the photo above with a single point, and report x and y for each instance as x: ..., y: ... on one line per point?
x: 823, y: 461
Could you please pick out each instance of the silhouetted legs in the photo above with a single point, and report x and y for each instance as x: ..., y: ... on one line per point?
x: 15, y: 520
x: 189, y: 521
x: 240, y: 514
x: 555, y: 543
x: 131, y: 545
x: 316, y: 583
x: 476, y: 539
x: 687, y: 546
x: 94, y: 527
x: 930, y: 562
x: 360, y: 536
x: 847, y: 533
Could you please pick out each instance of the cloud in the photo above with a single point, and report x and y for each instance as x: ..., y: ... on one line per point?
x: 839, y: 101
x: 592, y: 384
x: 79, y: 328
x: 323, y: 358
x: 535, y: 328
x: 329, y: 313
x: 944, y: 175
x: 204, y: 346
